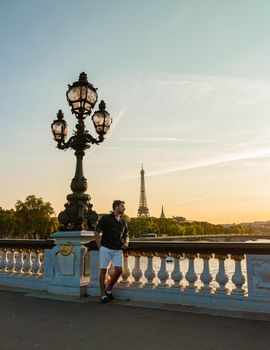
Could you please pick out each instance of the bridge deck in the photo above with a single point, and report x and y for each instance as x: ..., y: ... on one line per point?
x: 31, y: 322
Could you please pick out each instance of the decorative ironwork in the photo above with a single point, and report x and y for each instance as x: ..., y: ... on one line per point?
x: 65, y: 249
x: 82, y: 97
x: 205, y: 256
x: 237, y: 256
x: 221, y: 256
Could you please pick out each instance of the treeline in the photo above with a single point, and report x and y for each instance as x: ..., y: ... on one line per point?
x: 31, y: 219
x: 173, y: 227
x: 34, y: 219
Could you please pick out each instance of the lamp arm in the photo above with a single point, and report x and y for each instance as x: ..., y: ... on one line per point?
x: 65, y: 145
x: 92, y: 140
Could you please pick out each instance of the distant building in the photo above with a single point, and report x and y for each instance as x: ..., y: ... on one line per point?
x: 143, y: 210
x: 162, y: 215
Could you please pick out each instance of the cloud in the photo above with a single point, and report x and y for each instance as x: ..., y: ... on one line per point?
x: 227, y: 158
x: 165, y: 139
x: 117, y: 118
x: 197, y: 92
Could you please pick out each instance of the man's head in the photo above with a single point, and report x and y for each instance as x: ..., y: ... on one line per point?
x: 118, y: 206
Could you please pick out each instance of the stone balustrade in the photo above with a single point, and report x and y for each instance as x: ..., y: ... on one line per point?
x: 25, y: 263
x: 222, y: 275
x: 210, y: 275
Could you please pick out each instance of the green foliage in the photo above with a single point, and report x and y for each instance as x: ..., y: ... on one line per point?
x: 32, y: 218
x: 179, y: 227
x: 7, y: 222
x: 140, y: 226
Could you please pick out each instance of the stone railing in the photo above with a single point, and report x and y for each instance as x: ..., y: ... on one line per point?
x: 211, y: 275
x: 25, y: 263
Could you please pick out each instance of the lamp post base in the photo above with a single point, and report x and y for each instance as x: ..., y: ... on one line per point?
x: 70, y: 263
x: 78, y: 213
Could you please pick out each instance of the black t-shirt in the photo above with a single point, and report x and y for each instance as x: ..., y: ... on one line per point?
x: 114, y: 232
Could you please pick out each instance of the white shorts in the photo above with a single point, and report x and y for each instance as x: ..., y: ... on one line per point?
x: 107, y: 255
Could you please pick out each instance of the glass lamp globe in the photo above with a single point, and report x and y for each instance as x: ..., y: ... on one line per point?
x: 59, y: 127
x: 102, y: 119
x: 82, y: 96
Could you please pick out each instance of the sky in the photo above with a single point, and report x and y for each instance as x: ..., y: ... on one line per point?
x: 187, y: 83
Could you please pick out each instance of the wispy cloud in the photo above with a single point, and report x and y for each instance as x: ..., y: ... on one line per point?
x: 209, y: 92
x: 166, y: 139
x: 227, y: 158
x: 117, y: 118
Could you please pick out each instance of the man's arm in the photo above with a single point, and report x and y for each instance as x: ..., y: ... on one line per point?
x: 125, y: 244
x: 97, y: 238
x: 126, y: 239
x: 97, y: 232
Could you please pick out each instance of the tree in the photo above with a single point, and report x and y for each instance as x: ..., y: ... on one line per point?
x: 139, y: 226
x: 7, y: 223
x: 34, y: 218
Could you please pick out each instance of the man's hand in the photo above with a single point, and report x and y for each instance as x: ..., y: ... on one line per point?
x: 97, y: 239
x: 124, y: 246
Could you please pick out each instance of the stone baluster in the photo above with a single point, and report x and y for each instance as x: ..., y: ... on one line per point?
x: 150, y: 273
x: 11, y: 260
x: 177, y: 275
x: 206, y: 277
x: 19, y: 262
x: 221, y: 277
x: 3, y: 262
x: 191, y: 275
x: 163, y: 274
x: 238, y: 278
x: 137, y: 271
x: 27, y: 264
x: 126, y: 271
x: 35, y: 269
x: 41, y: 266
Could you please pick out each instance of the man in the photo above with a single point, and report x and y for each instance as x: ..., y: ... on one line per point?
x: 111, y: 242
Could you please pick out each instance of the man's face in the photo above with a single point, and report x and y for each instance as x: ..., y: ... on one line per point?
x: 121, y: 208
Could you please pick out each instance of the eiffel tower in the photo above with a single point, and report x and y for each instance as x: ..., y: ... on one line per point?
x: 143, y: 210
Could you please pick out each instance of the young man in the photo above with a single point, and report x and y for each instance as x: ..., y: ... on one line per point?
x: 111, y: 242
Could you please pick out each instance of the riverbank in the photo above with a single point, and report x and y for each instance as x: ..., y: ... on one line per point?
x: 209, y: 238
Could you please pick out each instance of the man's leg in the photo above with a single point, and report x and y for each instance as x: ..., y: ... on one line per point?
x: 117, y: 260
x: 102, y: 277
x: 104, y: 256
x: 117, y: 272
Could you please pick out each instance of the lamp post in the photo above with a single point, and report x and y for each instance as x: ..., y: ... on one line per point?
x: 82, y: 97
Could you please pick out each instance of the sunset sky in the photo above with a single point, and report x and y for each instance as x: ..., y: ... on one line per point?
x: 187, y: 84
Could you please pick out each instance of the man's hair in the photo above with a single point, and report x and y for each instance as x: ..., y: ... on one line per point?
x: 116, y: 203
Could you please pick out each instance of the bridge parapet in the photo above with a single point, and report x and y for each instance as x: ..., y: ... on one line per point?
x: 25, y: 263
x: 211, y: 275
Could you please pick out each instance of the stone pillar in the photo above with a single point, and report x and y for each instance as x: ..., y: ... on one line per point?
x: 258, y: 275
x: 93, y: 286
x: 68, y: 268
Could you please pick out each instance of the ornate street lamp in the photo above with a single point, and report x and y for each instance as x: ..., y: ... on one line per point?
x: 82, y: 97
